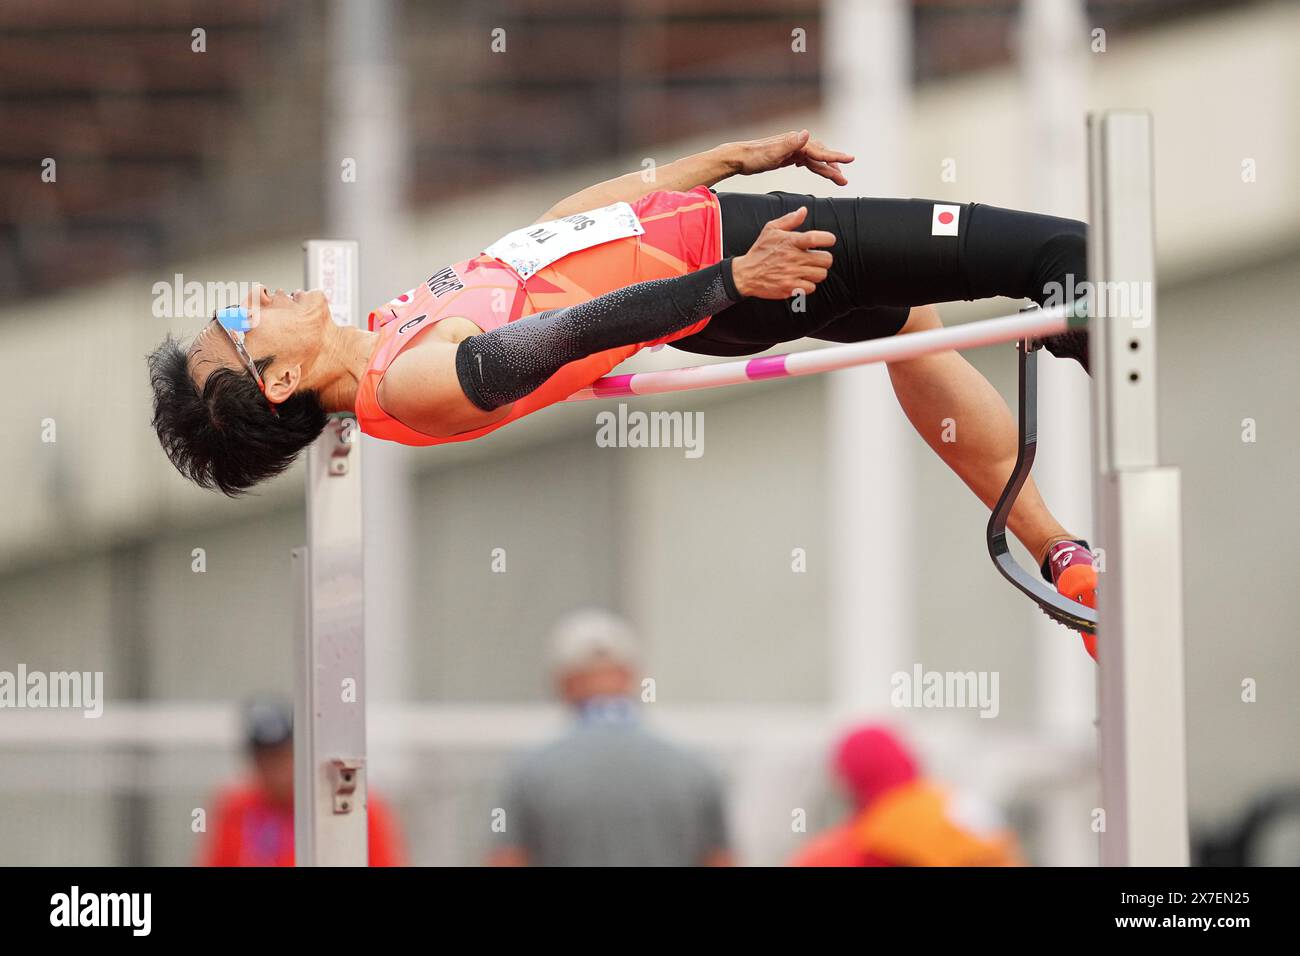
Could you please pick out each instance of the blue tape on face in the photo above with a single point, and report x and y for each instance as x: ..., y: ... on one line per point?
x: 235, y: 318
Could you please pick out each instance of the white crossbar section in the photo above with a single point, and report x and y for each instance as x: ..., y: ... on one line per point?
x: 1008, y: 328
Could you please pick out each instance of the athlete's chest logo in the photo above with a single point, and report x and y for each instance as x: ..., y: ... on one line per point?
x: 411, y: 323
x: 443, y: 282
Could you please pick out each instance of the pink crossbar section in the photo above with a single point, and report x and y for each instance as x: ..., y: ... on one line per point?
x: 1007, y: 328
x: 768, y: 366
x: 612, y: 385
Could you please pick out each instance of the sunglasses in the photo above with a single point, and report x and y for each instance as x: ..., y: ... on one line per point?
x: 234, y: 322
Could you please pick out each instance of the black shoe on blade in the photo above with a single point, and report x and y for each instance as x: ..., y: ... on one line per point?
x: 1072, y: 343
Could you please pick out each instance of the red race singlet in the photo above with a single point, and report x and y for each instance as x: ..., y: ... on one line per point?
x: 683, y: 233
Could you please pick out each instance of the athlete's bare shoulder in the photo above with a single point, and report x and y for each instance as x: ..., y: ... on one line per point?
x: 421, y: 389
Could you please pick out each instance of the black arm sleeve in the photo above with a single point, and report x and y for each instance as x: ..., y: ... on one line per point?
x: 502, y: 366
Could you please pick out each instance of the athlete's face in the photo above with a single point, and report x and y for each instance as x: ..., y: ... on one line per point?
x: 288, y: 326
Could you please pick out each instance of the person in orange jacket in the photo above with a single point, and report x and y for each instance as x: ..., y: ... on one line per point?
x: 900, y: 818
x: 252, y: 824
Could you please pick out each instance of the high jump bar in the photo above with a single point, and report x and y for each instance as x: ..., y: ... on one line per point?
x: 1007, y: 328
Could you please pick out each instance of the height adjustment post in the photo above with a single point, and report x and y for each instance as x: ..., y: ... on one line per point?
x: 329, y: 800
x: 1141, y: 696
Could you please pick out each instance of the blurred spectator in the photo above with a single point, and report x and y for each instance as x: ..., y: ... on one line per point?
x: 900, y: 818
x: 252, y: 824
x: 608, y: 793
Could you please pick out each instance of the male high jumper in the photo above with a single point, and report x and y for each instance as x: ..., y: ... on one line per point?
x: 617, y: 267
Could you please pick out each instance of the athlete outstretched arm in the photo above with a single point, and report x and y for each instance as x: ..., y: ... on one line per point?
x: 796, y: 148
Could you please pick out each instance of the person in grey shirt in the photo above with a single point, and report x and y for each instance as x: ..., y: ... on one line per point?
x: 608, y: 792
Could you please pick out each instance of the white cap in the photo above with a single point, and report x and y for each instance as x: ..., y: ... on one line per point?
x: 591, y: 635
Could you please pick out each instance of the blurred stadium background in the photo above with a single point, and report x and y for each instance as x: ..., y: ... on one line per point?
x: 216, y: 165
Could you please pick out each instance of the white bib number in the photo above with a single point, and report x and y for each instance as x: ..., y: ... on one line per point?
x: 532, y: 248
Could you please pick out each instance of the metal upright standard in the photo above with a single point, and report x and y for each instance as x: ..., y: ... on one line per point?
x: 329, y: 801
x: 1140, y: 627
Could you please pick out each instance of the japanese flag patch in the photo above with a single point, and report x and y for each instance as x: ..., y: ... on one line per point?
x: 945, y: 220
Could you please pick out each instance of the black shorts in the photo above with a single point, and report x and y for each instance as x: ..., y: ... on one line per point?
x: 887, y: 259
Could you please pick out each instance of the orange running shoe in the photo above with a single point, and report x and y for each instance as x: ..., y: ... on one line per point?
x: 1070, y: 565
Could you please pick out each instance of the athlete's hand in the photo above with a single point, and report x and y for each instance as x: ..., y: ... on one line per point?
x: 789, y: 149
x: 781, y: 261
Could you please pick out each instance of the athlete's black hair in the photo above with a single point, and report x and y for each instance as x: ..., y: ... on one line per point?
x: 226, y: 437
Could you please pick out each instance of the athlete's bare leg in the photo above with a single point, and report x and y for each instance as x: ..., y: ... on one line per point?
x: 980, y: 441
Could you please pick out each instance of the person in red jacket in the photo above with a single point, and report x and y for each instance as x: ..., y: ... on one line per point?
x: 901, y: 818
x: 252, y: 824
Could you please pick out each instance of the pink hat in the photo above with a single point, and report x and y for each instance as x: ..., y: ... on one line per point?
x: 870, y: 760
